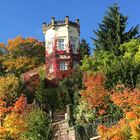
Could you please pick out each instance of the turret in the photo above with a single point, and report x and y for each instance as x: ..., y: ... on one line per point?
x: 62, y: 45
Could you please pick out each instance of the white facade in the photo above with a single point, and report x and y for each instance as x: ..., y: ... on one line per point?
x: 63, y: 34
x: 62, y: 45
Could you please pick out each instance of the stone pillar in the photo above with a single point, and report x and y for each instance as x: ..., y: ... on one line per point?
x: 68, y: 112
x: 44, y: 27
x: 51, y: 115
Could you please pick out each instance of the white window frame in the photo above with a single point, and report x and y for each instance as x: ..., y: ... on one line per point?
x: 49, y: 47
x: 61, y: 43
x: 74, y: 44
x: 63, y: 65
x: 51, y: 68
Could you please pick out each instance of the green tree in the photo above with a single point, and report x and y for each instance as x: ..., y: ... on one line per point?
x: 84, y: 113
x: 70, y: 85
x: 112, y: 31
x: 131, y: 63
x: 39, y: 127
x: 84, y: 48
x: 108, y: 56
x: 123, y: 69
x: 47, y: 97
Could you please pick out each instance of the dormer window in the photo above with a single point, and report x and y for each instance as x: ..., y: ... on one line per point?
x: 61, y: 44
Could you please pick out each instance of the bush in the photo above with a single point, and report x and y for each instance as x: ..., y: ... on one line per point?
x: 39, y: 127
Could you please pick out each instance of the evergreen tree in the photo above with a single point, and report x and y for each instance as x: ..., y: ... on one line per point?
x: 71, y: 85
x: 108, y: 56
x: 112, y: 31
x: 47, y: 97
x: 84, y: 48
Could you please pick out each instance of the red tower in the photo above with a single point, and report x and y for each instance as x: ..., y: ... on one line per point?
x: 62, y: 47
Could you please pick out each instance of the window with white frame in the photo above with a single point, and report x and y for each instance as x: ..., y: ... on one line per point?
x: 63, y: 65
x: 74, y: 44
x: 61, y: 44
x: 51, y: 68
x: 49, y: 47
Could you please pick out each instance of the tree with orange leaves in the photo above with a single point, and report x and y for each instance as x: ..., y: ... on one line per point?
x: 18, y: 65
x: 22, y: 55
x: 14, y: 119
x: 95, y: 99
x: 28, y: 47
x: 129, y: 126
x: 95, y: 94
x: 126, y: 99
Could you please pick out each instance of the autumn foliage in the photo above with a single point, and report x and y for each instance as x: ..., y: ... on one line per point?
x: 95, y: 93
x: 23, y: 54
x: 13, y: 122
x: 10, y: 86
x: 129, y: 126
x: 128, y: 99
